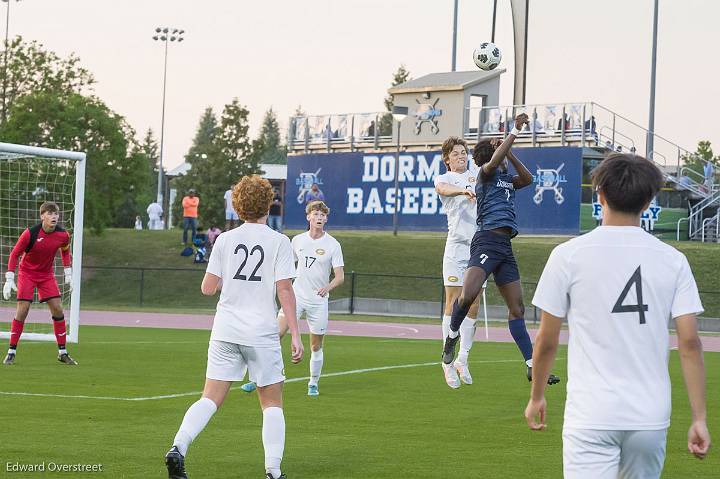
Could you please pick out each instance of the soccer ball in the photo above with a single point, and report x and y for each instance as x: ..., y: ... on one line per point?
x: 487, y: 56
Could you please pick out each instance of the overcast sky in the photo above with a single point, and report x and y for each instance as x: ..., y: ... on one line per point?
x: 335, y: 56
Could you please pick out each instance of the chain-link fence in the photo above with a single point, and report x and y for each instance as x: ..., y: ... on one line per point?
x: 362, y: 293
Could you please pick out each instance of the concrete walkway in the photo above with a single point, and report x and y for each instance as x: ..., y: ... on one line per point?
x: 339, y: 328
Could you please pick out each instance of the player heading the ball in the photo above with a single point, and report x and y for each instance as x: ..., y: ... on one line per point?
x: 37, y: 246
x: 456, y: 189
x: 490, y: 250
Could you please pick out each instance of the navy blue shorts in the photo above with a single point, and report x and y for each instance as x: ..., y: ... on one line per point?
x: 493, y: 253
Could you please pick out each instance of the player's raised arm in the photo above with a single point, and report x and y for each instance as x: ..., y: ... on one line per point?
x: 502, y: 150
x: 524, y: 177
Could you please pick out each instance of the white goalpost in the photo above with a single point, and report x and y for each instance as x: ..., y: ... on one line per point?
x: 30, y: 176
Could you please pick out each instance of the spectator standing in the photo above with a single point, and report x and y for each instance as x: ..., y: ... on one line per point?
x: 190, y: 214
x: 275, y: 217
x: 154, y: 211
x: 315, y: 194
x: 709, y: 173
x: 138, y: 223
x: 231, y: 216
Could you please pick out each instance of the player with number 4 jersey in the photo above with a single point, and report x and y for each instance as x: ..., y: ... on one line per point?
x: 618, y: 286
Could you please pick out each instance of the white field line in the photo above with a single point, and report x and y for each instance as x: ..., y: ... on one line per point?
x: 197, y: 393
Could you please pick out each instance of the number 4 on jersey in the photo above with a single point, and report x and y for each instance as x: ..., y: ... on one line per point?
x: 640, y: 308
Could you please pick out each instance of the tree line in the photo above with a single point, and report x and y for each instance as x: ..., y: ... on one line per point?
x: 49, y: 101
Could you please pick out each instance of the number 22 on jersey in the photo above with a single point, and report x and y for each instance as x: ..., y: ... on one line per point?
x: 247, y: 254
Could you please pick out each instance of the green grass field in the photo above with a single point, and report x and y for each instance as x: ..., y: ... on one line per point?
x: 399, y: 422
x: 365, y: 252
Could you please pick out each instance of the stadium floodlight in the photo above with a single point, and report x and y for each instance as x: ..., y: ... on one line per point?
x: 5, y: 60
x: 399, y: 113
x: 28, y: 177
x: 176, y: 35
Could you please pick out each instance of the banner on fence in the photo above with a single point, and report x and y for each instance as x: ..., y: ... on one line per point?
x: 359, y: 188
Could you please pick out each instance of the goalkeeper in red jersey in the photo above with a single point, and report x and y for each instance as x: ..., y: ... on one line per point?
x: 38, y: 246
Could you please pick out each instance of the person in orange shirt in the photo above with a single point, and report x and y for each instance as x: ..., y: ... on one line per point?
x: 190, y: 213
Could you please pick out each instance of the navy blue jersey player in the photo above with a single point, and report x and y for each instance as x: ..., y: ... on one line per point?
x: 490, y: 250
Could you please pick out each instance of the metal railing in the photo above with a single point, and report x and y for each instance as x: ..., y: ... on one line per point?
x: 588, y: 123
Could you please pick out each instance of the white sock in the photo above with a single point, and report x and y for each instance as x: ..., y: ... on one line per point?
x: 467, y: 336
x: 445, y: 326
x: 195, y: 420
x: 316, y: 363
x: 273, y: 437
x: 529, y: 363
x: 453, y: 334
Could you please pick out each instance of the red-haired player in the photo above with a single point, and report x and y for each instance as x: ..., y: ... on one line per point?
x: 38, y: 246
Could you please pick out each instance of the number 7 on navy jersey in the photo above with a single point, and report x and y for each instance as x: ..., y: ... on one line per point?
x: 640, y: 308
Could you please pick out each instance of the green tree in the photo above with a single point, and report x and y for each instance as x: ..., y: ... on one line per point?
x: 696, y: 161
x: 219, y: 157
x: 386, y: 122
x: 31, y: 68
x: 149, y: 148
x: 75, y: 122
x: 267, y: 148
x: 198, y: 157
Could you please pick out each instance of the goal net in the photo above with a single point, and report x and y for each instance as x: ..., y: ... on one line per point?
x: 30, y: 176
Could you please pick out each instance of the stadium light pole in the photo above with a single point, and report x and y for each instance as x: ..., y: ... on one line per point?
x: 166, y: 35
x: 399, y: 113
x: 653, y: 67
x: 454, y: 39
x: 492, y: 35
x: 5, y: 65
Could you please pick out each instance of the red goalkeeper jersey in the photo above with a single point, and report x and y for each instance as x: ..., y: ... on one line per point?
x: 39, y: 261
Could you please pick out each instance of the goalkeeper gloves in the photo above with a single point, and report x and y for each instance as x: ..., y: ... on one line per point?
x: 68, y: 278
x: 9, y: 285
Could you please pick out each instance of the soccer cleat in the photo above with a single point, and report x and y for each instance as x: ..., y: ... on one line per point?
x: 175, y: 463
x: 313, y: 390
x: 9, y: 359
x: 270, y: 476
x: 449, y: 349
x: 464, y: 372
x: 451, y: 376
x: 66, y: 359
x: 248, y: 387
x: 552, y: 379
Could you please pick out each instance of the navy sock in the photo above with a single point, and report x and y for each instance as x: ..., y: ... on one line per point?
x: 458, y: 315
x: 521, y: 337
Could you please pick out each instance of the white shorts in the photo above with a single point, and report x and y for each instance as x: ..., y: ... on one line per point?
x: 601, y: 454
x: 455, y: 262
x: 230, y: 362
x: 231, y: 215
x: 316, y: 314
